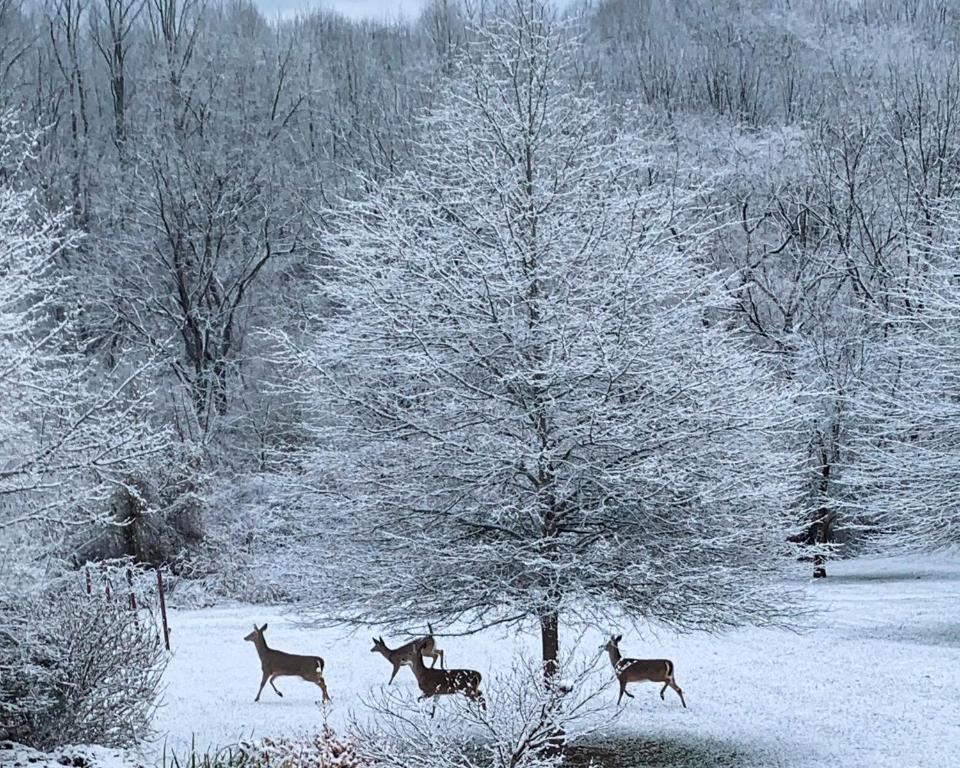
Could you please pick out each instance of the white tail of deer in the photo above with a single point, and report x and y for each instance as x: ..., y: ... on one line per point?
x: 435, y: 683
x: 402, y: 656
x: 640, y: 670
x: 276, y: 664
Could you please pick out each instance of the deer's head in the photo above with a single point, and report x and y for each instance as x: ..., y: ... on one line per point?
x: 379, y: 646
x: 256, y: 634
x: 613, y: 644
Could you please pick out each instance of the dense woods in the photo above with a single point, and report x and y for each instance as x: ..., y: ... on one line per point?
x: 573, y: 290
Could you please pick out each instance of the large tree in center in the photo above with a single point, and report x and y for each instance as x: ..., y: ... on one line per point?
x: 529, y: 403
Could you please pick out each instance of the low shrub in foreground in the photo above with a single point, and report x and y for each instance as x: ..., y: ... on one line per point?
x: 324, y: 750
x: 76, y: 669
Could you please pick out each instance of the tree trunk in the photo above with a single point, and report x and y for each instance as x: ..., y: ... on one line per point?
x: 550, y: 648
x: 819, y: 567
x: 824, y: 535
x: 821, y: 531
x: 549, y: 644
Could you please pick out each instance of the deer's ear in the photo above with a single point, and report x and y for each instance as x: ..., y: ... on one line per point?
x: 381, y: 640
x: 618, y: 638
x: 263, y: 628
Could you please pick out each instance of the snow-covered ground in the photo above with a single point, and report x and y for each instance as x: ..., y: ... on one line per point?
x: 83, y: 755
x: 875, y: 683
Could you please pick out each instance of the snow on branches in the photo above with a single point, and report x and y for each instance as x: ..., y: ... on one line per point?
x: 519, y: 728
x: 67, y: 429
x: 528, y: 402
x: 905, y: 472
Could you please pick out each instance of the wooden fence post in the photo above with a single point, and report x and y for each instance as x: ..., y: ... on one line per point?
x: 133, y: 597
x: 163, y: 610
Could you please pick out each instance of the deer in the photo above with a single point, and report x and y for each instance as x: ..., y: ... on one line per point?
x: 435, y: 683
x: 401, y: 656
x: 640, y: 670
x: 280, y: 664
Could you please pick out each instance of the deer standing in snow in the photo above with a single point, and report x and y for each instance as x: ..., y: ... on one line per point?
x: 280, y: 664
x: 440, y: 682
x: 401, y: 656
x: 640, y: 670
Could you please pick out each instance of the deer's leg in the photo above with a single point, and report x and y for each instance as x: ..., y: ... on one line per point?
x: 275, y: 687
x: 323, y: 686
x: 663, y: 689
x: 673, y: 684
x: 623, y: 690
x: 396, y: 668
x: 263, y: 682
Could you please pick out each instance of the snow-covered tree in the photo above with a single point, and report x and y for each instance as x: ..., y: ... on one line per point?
x: 72, y: 667
x: 68, y: 431
x: 797, y: 282
x: 905, y: 477
x: 527, y: 404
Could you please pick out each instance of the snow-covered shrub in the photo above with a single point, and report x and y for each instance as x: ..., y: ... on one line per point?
x: 241, y: 557
x: 144, y: 525
x: 77, y: 668
x: 524, y: 724
x: 325, y: 750
x: 155, y: 514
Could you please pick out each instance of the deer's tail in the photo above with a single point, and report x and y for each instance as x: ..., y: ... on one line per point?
x: 320, y: 665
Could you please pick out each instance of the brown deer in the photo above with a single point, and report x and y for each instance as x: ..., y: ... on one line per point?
x: 640, y: 670
x: 401, y: 656
x: 279, y: 664
x: 440, y: 682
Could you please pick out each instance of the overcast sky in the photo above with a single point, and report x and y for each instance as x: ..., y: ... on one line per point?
x: 355, y: 9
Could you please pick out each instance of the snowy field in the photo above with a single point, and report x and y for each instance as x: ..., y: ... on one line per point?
x: 875, y: 683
